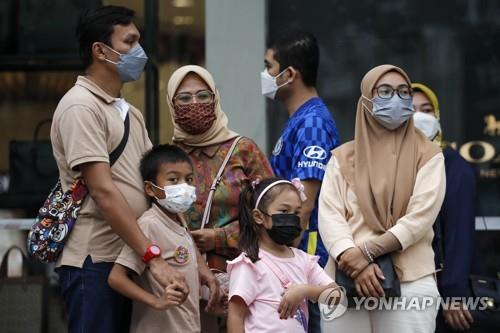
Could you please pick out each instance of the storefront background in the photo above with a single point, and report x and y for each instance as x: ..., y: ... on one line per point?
x: 452, y: 46
x: 39, y: 63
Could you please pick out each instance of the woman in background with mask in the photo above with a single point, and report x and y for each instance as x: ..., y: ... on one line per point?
x: 200, y: 128
x: 455, y: 226
x: 381, y: 195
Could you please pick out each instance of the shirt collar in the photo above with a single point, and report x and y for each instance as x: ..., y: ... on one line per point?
x: 94, y: 88
x: 168, y: 221
x: 307, y: 104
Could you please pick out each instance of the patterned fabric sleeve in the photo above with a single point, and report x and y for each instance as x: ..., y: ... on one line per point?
x: 255, y: 165
x: 226, y: 239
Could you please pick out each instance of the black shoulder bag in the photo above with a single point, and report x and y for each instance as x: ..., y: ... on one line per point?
x: 391, y: 285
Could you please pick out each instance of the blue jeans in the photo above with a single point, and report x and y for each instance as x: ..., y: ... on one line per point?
x: 314, y: 318
x: 91, y: 305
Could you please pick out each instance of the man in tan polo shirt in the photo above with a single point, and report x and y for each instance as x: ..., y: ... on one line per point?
x: 87, y: 125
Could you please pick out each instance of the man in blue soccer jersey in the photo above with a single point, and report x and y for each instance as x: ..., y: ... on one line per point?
x: 303, y: 150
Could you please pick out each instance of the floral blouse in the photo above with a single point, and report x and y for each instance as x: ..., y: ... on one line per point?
x: 247, y: 162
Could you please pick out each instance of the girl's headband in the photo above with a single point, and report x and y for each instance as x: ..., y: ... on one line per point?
x: 294, y: 182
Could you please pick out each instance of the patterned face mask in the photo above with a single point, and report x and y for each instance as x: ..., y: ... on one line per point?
x: 195, y: 118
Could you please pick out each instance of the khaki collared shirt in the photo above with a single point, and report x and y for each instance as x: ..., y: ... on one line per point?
x: 178, y: 250
x: 341, y: 223
x: 87, y: 127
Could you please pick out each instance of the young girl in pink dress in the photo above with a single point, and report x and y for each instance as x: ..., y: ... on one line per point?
x: 270, y: 282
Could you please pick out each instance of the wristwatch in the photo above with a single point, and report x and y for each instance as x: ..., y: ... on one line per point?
x: 152, y: 251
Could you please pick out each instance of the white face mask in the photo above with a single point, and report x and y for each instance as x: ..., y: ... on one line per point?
x: 268, y: 84
x: 178, y: 198
x: 429, y: 125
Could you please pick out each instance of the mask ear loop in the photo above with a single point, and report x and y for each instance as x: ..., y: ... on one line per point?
x: 279, y: 74
x: 150, y: 182
x: 109, y: 47
x: 364, y: 105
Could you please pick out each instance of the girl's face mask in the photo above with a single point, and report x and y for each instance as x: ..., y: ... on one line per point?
x: 285, y: 229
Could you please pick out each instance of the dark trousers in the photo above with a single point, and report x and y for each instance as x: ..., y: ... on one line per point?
x: 91, y: 305
x: 314, y: 318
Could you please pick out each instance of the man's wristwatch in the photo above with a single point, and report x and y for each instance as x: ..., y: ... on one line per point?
x: 152, y: 251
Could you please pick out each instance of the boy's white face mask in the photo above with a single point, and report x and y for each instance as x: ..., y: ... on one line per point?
x: 178, y: 198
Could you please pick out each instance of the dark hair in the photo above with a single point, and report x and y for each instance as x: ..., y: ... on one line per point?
x: 158, y: 155
x: 298, y: 49
x: 417, y: 89
x: 97, y: 26
x: 249, y: 230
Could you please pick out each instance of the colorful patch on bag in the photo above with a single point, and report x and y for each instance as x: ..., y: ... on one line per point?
x: 181, y: 254
x: 55, y: 220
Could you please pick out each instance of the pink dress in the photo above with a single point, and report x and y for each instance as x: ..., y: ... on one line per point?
x: 261, y: 289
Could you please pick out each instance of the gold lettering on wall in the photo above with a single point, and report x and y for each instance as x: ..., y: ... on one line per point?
x: 488, y: 151
x: 492, y: 127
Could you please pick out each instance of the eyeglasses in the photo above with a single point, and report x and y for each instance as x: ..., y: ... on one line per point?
x: 202, y: 96
x: 385, y: 91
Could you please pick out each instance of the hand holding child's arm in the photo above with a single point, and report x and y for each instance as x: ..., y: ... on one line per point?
x: 166, y: 275
x: 120, y: 281
x: 171, y: 297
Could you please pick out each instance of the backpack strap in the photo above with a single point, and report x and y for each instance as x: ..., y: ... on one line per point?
x: 115, y: 154
x: 285, y: 282
x: 216, y: 182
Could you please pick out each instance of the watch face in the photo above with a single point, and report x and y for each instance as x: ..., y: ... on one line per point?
x: 155, y: 250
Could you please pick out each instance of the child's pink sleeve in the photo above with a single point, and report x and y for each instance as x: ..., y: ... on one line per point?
x: 243, y: 279
x: 317, y: 275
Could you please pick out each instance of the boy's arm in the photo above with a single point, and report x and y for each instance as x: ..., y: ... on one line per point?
x: 237, y: 312
x: 120, y: 281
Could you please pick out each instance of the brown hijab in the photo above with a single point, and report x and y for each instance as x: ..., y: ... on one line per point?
x: 219, y: 132
x: 381, y: 165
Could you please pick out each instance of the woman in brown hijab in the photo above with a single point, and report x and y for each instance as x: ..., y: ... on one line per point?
x: 201, y: 129
x: 381, y: 194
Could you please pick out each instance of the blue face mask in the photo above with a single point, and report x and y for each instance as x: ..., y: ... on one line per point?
x: 131, y: 64
x: 392, y: 113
